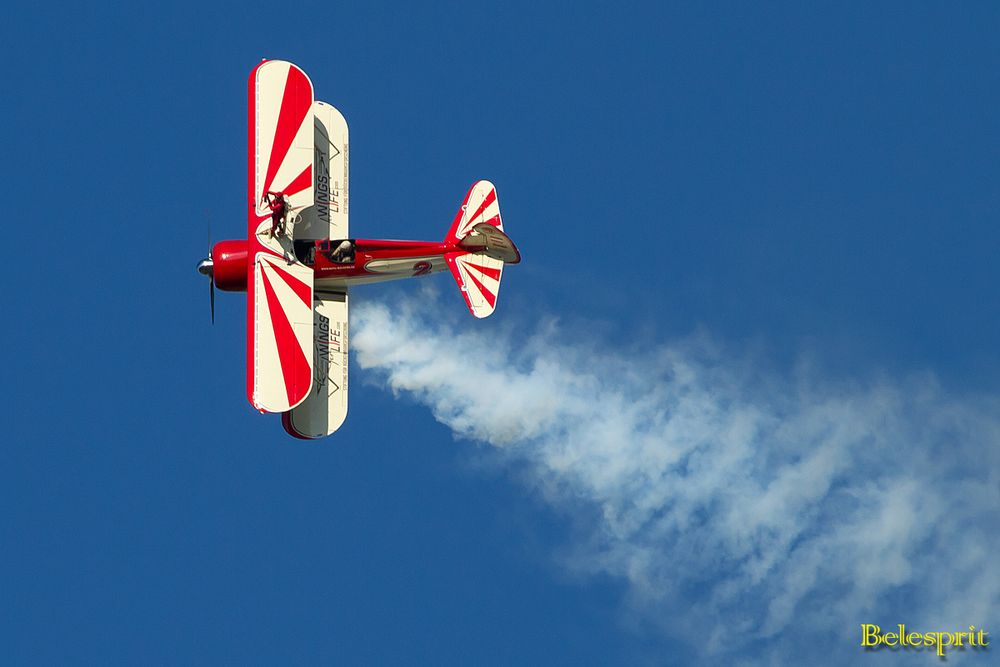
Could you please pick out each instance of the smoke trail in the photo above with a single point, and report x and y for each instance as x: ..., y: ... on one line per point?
x: 743, y: 510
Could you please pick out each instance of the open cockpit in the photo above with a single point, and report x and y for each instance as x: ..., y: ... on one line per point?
x: 335, y: 251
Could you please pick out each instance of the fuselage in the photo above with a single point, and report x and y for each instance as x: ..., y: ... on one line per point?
x: 376, y: 261
x: 338, y: 264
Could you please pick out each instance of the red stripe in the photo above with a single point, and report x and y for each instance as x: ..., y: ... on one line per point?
x: 294, y: 365
x: 485, y: 270
x: 490, y: 198
x: 486, y: 293
x: 295, y: 102
x: 297, y: 285
x: 300, y: 182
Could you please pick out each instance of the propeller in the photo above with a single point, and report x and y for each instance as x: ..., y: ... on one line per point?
x: 206, y: 268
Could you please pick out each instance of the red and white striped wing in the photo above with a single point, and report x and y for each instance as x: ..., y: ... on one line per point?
x: 478, y: 278
x: 480, y: 205
x: 279, y: 295
x: 281, y: 128
x: 282, y: 334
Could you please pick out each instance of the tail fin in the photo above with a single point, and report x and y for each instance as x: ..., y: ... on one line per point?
x: 481, y: 249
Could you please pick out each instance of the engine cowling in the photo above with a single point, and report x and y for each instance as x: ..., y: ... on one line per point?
x: 229, y: 260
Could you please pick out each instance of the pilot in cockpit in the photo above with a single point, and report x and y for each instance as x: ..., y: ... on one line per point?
x: 343, y: 253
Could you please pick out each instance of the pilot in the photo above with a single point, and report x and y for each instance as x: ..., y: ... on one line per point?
x: 343, y: 253
x: 278, y: 203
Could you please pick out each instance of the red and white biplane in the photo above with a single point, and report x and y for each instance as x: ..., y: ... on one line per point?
x: 299, y: 260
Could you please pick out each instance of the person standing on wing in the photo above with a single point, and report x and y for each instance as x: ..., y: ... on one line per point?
x: 278, y: 203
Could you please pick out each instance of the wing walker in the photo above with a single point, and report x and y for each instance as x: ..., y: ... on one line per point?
x: 299, y: 260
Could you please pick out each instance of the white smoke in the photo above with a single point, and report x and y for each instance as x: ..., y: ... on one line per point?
x: 745, y: 510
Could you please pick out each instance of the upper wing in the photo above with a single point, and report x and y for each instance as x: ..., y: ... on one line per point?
x: 327, y: 219
x: 279, y: 295
x: 280, y: 333
x: 325, y: 408
x: 281, y: 135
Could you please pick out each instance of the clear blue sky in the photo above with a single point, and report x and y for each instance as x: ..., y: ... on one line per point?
x: 804, y: 183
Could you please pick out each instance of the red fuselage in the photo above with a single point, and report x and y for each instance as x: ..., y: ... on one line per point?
x: 365, y: 261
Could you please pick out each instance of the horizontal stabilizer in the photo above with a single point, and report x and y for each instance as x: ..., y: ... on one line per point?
x: 479, y: 206
x: 484, y: 248
x: 478, y: 278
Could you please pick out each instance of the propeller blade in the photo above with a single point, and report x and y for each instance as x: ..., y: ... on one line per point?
x: 211, y: 285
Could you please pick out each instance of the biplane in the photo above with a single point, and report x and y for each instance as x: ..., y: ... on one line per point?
x: 299, y: 259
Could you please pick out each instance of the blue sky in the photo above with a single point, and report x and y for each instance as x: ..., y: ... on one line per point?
x: 759, y: 277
